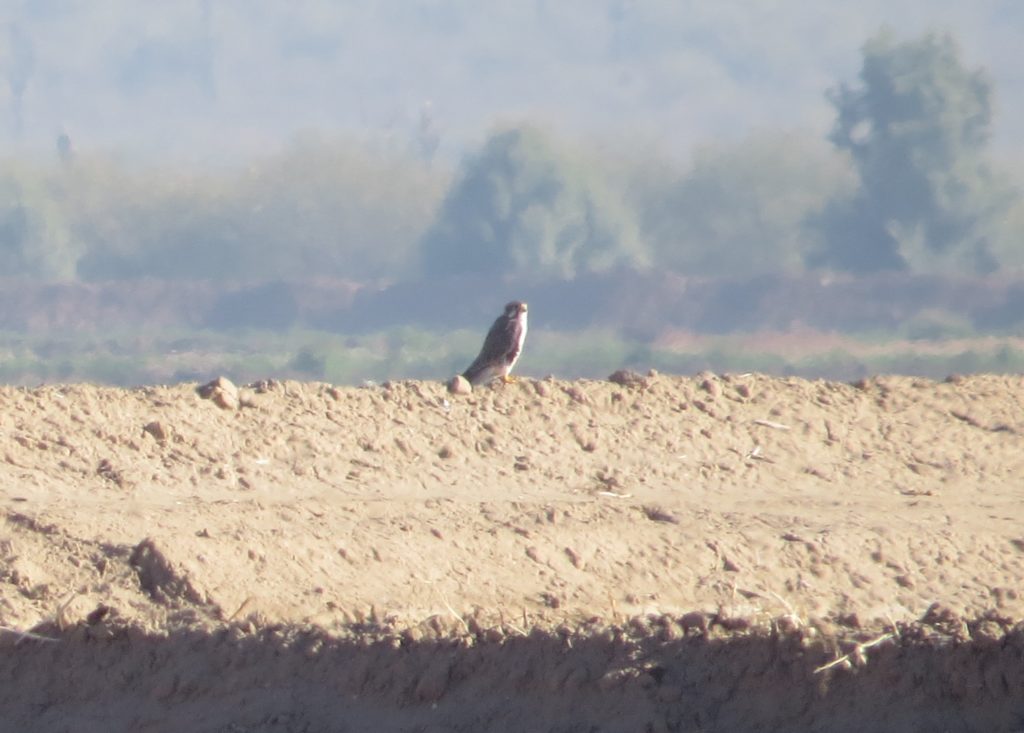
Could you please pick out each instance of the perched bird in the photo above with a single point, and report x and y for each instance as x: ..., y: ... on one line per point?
x: 502, y: 347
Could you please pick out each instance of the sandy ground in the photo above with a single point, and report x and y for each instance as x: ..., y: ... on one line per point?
x: 666, y: 554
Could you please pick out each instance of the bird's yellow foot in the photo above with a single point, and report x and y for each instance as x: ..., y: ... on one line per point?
x: 508, y: 379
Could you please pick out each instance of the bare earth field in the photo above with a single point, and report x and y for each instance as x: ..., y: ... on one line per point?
x: 717, y: 553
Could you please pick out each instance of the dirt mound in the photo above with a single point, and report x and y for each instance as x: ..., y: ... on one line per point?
x: 661, y: 552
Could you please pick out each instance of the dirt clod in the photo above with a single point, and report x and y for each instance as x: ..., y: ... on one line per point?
x: 222, y: 392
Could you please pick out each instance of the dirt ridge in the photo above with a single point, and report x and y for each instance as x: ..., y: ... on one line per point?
x: 648, y: 518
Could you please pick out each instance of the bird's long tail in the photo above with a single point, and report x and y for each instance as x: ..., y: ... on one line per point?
x: 476, y: 372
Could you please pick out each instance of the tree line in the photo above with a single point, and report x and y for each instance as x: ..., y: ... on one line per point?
x: 904, y: 183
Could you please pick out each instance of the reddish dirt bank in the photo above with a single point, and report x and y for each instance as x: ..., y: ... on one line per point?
x: 663, y: 554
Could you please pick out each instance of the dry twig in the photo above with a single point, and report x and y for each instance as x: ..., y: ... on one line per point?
x: 770, y: 424
x: 22, y: 635
x: 452, y: 611
x: 857, y: 654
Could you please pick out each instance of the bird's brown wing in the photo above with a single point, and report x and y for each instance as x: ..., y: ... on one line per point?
x: 500, y: 340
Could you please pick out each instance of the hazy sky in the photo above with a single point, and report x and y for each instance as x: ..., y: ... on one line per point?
x: 213, y: 78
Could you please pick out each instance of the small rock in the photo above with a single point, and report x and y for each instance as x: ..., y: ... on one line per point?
x: 705, y: 408
x: 222, y: 392
x: 493, y: 635
x: 157, y: 430
x: 849, y: 620
x: 246, y: 398
x: 412, y: 635
x: 577, y: 394
x: 628, y: 378
x: 551, y: 600
x: 459, y: 385
x: 712, y: 387
x: 97, y: 615
x: 788, y: 624
x: 733, y: 623
x: 445, y: 453
x: 989, y: 630
x: 107, y: 471
x: 640, y: 625
x: 669, y: 631
x: 160, y: 577
x: 939, y: 615
x: 262, y: 386
x: 657, y: 514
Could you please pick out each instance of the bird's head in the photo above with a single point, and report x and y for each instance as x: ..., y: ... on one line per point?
x: 515, y: 309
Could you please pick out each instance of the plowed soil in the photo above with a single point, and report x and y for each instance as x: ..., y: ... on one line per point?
x: 656, y: 553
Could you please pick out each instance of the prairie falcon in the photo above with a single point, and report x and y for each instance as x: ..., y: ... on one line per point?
x: 502, y: 347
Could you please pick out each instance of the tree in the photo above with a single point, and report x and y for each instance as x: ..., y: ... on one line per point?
x: 916, y: 128
x: 35, y: 240
x: 740, y: 209
x: 521, y: 207
x: 322, y: 207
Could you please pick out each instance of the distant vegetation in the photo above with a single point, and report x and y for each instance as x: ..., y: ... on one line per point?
x: 319, y: 208
x: 917, y: 128
x: 399, y: 353
x: 523, y: 206
x: 907, y: 185
x: 618, y: 243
